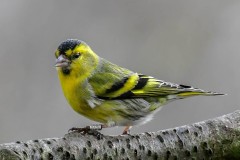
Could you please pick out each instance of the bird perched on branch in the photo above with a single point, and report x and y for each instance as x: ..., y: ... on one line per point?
x: 109, y: 94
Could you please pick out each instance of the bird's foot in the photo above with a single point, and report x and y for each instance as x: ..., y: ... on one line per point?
x: 80, y: 130
x: 90, y: 130
x: 126, y: 130
x: 126, y: 133
x: 87, y: 129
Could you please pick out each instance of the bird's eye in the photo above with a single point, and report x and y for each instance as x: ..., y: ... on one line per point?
x: 75, y: 56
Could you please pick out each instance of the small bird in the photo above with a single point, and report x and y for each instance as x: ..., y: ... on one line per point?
x: 109, y: 94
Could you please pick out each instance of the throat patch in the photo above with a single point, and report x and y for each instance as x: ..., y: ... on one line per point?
x: 66, y: 71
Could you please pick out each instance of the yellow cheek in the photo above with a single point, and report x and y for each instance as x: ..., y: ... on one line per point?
x: 57, y: 53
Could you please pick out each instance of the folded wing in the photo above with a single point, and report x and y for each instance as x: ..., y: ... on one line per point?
x: 140, y: 86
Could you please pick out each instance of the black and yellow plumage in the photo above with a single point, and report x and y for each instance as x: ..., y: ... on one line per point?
x: 110, y: 94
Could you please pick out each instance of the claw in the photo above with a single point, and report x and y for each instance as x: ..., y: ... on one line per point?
x: 126, y: 130
x: 87, y: 129
x: 90, y: 130
x: 80, y: 130
x: 125, y: 133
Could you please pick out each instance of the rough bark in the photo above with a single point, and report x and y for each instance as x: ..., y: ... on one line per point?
x: 217, y: 138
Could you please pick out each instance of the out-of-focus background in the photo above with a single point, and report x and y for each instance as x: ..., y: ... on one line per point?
x: 190, y: 42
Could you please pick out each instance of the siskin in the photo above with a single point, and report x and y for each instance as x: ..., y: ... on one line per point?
x: 109, y: 94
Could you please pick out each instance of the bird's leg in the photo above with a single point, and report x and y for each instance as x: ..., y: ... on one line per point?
x: 126, y: 130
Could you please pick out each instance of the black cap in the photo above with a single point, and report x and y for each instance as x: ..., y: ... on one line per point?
x: 68, y: 44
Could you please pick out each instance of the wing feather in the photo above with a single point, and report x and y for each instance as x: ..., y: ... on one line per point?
x: 114, y: 82
x: 142, y: 86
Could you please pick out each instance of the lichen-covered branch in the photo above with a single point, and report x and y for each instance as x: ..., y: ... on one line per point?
x: 218, y: 138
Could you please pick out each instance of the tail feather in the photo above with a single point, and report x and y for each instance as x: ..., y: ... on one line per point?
x: 214, y: 94
x: 198, y: 93
x: 186, y: 91
x: 190, y: 92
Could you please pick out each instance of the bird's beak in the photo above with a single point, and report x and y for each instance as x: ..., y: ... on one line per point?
x: 62, y: 61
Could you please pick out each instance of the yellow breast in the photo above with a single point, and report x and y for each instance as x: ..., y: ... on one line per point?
x: 74, y: 93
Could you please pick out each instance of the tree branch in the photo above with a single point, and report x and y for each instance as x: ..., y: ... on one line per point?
x: 217, y: 138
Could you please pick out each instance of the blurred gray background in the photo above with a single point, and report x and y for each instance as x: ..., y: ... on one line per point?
x: 190, y: 42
